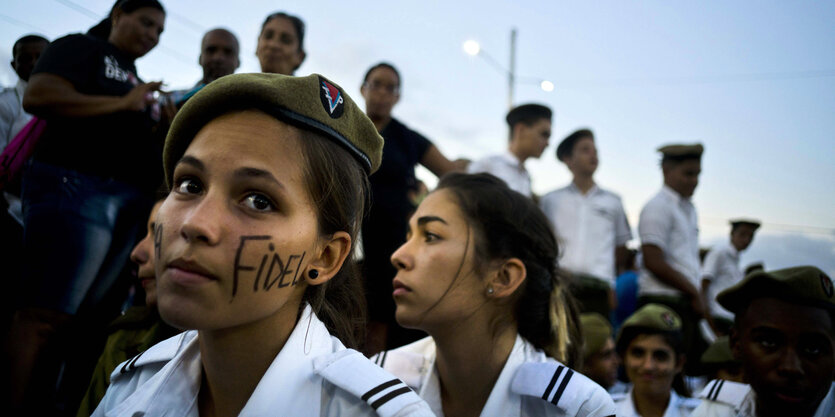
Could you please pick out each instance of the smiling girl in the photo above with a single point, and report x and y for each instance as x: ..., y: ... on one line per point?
x: 478, y: 273
x: 252, y: 255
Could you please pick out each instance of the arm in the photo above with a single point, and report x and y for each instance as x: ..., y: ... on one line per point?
x: 436, y: 162
x: 655, y: 263
x: 621, y: 254
x: 51, y: 95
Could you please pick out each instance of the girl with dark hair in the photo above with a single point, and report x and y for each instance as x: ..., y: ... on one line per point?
x: 252, y: 251
x: 478, y: 273
x: 652, y: 351
x: 392, y: 204
x: 280, y: 48
x: 87, y: 191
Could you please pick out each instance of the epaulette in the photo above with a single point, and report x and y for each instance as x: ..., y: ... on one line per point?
x: 409, y: 367
x: 161, y: 352
x: 725, y: 392
x: 352, y: 372
x: 555, y: 383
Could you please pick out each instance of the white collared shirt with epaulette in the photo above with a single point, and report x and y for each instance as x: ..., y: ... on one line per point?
x: 677, y: 406
x: 722, y: 398
x: 530, y: 384
x: 313, y: 375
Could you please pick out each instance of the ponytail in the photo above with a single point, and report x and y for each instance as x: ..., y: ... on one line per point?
x: 509, y: 225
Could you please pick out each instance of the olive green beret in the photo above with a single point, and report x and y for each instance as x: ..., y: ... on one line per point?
x: 802, y: 284
x: 596, y: 331
x: 678, y: 151
x: 742, y: 220
x: 311, y: 103
x: 718, y: 352
x: 652, y: 316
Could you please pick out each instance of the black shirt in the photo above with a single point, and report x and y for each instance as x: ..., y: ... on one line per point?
x: 117, y: 145
x: 402, y: 151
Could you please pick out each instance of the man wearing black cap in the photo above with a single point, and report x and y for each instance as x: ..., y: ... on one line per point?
x: 784, y: 335
x: 721, y: 270
x: 530, y: 129
x: 669, y: 232
x: 589, y: 223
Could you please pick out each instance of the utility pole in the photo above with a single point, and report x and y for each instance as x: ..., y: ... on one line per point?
x: 511, y: 74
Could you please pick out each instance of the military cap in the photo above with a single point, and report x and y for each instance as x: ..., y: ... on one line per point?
x: 596, y: 330
x: 744, y: 221
x: 311, y: 103
x: 652, y: 317
x: 681, y: 151
x: 566, y: 147
x: 719, y: 352
x: 807, y: 285
x: 528, y: 113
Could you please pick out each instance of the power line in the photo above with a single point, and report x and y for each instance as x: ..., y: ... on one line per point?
x: 706, y: 79
x: 81, y: 9
x: 21, y: 24
x: 817, y: 230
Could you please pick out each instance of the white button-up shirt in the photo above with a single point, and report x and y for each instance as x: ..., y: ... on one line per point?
x: 676, y: 407
x: 313, y: 375
x: 721, y: 268
x: 12, y: 119
x: 507, y: 167
x: 527, y: 377
x: 588, y: 228
x: 670, y: 222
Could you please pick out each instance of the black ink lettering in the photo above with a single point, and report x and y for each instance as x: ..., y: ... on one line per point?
x: 286, y: 272
x: 158, y: 240
x: 281, y: 266
x: 258, y: 275
x: 238, y: 267
x: 298, y: 267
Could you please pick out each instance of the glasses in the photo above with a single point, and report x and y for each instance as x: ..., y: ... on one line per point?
x: 388, y: 88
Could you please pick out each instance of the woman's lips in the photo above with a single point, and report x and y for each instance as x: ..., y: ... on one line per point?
x: 399, y: 288
x: 188, y: 273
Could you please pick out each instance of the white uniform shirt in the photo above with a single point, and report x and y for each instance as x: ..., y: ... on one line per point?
x: 677, y: 407
x: 721, y: 268
x: 12, y: 119
x: 730, y: 399
x: 507, y: 167
x: 670, y: 222
x: 313, y: 375
x: 530, y: 384
x: 588, y: 228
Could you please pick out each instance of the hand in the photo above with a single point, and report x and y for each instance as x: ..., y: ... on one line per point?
x: 140, y: 97
x: 168, y: 109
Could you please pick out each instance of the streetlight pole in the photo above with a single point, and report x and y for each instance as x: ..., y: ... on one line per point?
x: 511, y: 74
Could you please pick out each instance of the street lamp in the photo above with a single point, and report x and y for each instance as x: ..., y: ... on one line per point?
x: 473, y: 48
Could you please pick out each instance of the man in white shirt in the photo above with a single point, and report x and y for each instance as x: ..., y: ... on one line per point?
x: 669, y: 232
x: 721, y: 270
x: 590, y: 225
x: 530, y: 129
x: 13, y: 118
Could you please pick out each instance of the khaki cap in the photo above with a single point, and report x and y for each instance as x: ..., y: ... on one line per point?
x: 745, y: 220
x: 803, y: 284
x: 681, y: 150
x: 596, y: 330
x: 311, y: 103
x: 651, y: 316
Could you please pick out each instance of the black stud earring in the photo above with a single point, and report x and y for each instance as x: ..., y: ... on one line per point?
x: 313, y: 274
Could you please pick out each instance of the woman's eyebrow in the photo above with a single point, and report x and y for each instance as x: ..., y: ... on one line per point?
x: 428, y: 219
x: 194, y: 162
x: 249, y: 172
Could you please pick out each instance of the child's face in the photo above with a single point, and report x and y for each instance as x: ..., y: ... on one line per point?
x: 238, y: 232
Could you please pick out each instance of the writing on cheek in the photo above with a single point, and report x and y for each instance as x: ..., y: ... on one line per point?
x: 157, y: 240
x: 278, y: 270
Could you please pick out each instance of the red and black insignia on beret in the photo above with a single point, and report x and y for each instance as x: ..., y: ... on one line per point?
x: 826, y: 283
x: 331, y: 98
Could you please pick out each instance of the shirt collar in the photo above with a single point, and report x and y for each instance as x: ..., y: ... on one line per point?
x: 672, y: 194
x: 511, y: 159
x: 20, y: 87
x: 573, y: 187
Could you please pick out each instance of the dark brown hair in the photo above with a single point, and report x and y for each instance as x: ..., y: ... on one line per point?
x: 509, y: 225
x: 339, y: 188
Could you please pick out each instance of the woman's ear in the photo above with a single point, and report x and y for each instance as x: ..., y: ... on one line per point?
x: 507, y: 278
x: 329, y: 259
x: 682, y: 359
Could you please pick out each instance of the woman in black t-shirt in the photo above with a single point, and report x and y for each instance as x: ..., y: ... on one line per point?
x: 385, y: 227
x: 90, y: 184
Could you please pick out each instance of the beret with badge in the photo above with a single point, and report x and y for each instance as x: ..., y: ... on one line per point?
x: 310, y: 103
x: 651, y: 318
x: 805, y: 285
x: 679, y: 152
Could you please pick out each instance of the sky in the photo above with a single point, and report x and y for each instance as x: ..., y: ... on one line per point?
x: 753, y: 81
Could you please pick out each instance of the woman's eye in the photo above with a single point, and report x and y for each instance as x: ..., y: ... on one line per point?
x: 430, y: 237
x: 259, y: 202
x: 188, y: 186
